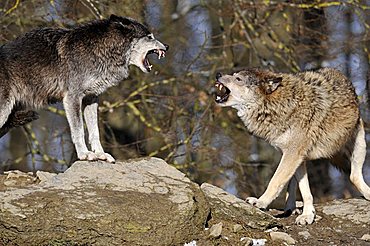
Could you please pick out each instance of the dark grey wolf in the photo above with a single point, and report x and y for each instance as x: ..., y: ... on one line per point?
x: 73, y: 66
x: 308, y: 115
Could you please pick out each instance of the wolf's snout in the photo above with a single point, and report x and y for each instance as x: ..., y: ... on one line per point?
x: 222, y: 92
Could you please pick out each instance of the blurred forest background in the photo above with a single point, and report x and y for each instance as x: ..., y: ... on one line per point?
x: 170, y: 112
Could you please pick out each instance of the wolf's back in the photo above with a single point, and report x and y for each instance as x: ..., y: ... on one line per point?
x: 329, y: 110
x: 35, y: 48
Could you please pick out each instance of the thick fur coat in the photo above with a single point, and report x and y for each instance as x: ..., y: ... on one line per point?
x: 308, y: 115
x: 74, y: 66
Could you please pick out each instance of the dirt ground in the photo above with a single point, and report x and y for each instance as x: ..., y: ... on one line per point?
x: 328, y: 230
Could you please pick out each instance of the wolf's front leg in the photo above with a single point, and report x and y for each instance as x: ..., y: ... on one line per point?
x: 72, y: 105
x: 285, y: 171
x: 91, y: 118
x: 308, y: 214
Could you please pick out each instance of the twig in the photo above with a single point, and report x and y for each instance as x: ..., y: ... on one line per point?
x: 13, y: 8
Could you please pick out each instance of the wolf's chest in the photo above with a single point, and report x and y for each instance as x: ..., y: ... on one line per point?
x: 100, y: 83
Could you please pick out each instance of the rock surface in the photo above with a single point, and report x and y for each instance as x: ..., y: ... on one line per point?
x: 142, y: 202
x: 137, y: 202
x: 366, y: 237
x: 216, y: 230
x: 282, y: 236
x: 225, y: 205
x: 148, y: 202
x: 356, y: 210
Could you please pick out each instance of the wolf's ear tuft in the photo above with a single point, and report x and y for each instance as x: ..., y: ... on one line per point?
x: 114, y: 18
x: 271, y: 84
x: 121, y: 20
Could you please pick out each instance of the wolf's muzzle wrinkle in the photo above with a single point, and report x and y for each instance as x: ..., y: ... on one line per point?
x: 222, y: 92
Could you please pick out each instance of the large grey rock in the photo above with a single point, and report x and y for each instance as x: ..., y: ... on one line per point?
x: 140, y: 202
x: 228, y: 207
x: 147, y: 202
x: 356, y: 210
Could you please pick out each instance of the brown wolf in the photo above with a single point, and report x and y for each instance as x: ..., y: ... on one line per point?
x: 74, y: 66
x: 308, y: 115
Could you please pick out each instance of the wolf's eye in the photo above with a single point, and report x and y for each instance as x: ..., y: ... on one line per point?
x: 150, y: 36
x: 238, y: 79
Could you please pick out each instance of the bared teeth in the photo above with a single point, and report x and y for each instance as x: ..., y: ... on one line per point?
x: 219, y: 86
x: 222, y: 92
x: 161, y: 54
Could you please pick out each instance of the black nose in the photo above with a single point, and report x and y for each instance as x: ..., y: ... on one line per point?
x: 218, y: 75
x: 167, y: 46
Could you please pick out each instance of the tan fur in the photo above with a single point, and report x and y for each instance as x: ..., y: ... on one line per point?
x: 308, y: 115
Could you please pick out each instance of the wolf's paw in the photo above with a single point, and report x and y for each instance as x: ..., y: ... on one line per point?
x: 297, y: 211
x: 366, y: 192
x: 106, y: 157
x: 293, y: 208
x: 305, y: 219
x: 91, y: 156
x: 288, y: 212
x: 256, y: 202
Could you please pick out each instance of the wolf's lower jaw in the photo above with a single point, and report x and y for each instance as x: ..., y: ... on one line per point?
x: 91, y: 156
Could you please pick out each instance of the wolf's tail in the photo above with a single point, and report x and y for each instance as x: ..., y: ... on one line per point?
x: 342, y: 159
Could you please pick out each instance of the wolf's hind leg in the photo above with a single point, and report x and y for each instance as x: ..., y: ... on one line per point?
x: 91, y: 119
x: 308, y: 214
x: 357, y: 162
x: 290, y: 199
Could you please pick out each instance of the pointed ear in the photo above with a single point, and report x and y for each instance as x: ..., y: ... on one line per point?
x: 121, y: 20
x: 271, y: 84
x: 114, y: 18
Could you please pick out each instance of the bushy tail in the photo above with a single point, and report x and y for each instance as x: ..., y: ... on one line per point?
x: 342, y: 159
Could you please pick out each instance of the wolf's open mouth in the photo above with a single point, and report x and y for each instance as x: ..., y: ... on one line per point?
x: 222, y: 92
x: 146, y: 63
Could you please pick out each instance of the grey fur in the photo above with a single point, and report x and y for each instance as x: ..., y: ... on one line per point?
x: 308, y: 115
x: 73, y: 66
